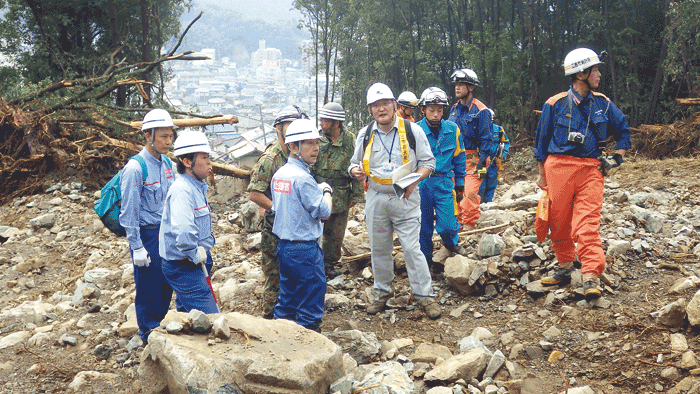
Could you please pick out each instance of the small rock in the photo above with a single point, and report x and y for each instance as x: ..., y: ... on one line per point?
x: 200, y: 321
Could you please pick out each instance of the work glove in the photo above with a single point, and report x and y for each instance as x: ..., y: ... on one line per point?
x: 481, y: 169
x: 141, y: 258
x: 618, y: 159
x: 324, y: 187
x: 459, y: 193
x: 607, y: 162
x: 201, y: 255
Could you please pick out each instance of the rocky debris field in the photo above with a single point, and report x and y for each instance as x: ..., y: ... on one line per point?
x: 67, y: 319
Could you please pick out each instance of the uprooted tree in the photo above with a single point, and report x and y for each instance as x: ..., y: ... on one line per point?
x: 73, y: 127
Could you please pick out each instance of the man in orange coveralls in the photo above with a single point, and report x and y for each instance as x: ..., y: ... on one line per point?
x: 475, y: 122
x: 569, y: 145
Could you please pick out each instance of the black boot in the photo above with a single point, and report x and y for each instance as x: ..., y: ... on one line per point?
x: 456, y: 249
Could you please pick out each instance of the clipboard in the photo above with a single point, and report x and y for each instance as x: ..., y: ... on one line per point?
x: 403, y: 177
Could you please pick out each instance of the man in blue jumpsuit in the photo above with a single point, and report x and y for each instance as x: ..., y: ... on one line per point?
x: 488, y: 185
x: 475, y: 122
x: 185, y: 230
x: 140, y: 215
x: 299, y: 204
x: 441, y: 190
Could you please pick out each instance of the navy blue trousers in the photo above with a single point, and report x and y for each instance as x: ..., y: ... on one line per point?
x: 190, y: 285
x: 153, y: 293
x: 302, y: 283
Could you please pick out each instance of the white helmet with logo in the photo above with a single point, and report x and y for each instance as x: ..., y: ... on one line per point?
x: 379, y: 91
x: 407, y: 99
x: 333, y: 111
x: 465, y: 75
x: 579, y: 60
x: 301, y: 130
x: 191, y: 141
x: 156, y: 118
x: 434, y: 96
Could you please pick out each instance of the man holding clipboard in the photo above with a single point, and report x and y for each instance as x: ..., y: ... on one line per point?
x: 385, y: 145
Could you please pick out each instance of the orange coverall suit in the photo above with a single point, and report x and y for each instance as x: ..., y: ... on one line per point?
x: 475, y: 122
x: 574, y: 183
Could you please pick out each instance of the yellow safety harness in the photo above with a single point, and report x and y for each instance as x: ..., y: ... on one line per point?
x: 403, y: 142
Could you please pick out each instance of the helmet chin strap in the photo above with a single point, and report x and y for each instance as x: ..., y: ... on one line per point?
x: 298, y: 155
x: 588, y: 75
x: 191, y: 167
x: 431, y: 124
x: 152, y: 132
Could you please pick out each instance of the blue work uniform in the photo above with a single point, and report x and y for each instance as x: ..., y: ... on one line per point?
x: 595, y: 117
x: 475, y: 122
x: 186, y: 224
x: 140, y: 215
x: 438, y: 205
x: 490, y: 181
x: 298, y: 205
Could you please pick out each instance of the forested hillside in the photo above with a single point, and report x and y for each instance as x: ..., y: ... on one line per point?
x: 516, y: 47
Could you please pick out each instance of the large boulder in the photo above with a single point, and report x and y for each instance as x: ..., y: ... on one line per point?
x: 261, y: 356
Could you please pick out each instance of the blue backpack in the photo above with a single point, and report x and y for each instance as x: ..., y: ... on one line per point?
x: 501, y: 141
x: 108, y: 207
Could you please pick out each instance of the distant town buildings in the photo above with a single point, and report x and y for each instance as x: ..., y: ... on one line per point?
x: 255, y: 93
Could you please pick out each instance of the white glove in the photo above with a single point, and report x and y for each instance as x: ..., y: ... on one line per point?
x: 201, y: 255
x: 324, y: 187
x: 141, y: 258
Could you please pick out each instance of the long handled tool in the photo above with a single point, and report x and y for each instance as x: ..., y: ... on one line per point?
x: 206, y: 274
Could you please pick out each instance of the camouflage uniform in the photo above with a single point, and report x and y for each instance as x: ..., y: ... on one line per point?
x: 332, y: 167
x: 271, y: 160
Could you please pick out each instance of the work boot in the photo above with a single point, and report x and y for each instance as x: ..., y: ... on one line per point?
x: 331, y: 271
x: 379, y: 303
x: 430, y: 307
x: 456, y: 249
x: 560, y: 278
x: 590, y: 286
x: 436, y: 267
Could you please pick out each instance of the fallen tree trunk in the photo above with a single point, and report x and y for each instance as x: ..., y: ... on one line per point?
x: 366, y: 256
x: 688, y: 101
x: 217, y: 168
x: 225, y: 119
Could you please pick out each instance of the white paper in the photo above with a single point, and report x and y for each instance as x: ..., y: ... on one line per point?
x: 404, y: 177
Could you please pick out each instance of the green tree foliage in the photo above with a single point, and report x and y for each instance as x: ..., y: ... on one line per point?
x: 683, y: 39
x: 517, y: 48
x: 53, y: 40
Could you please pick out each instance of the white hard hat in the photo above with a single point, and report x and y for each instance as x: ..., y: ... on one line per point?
x: 379, y: 91
x: 579, y: 60
x: 465, y: 75
x: 434, y: 96
x: 156, y: 118
x: 333, y: 111
x: 301, y: 130
x: 288, y: 114
x: 191, y: 141
x: 407, y: 99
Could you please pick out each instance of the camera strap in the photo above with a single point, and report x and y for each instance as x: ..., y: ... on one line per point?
x: 571, y: 114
